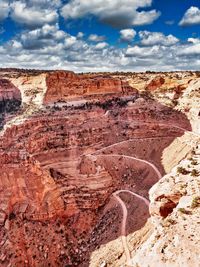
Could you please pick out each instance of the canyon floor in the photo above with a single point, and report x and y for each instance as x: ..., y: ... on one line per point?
x: 99, y: 169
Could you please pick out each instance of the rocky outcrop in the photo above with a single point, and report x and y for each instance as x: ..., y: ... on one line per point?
x: 65, y: 85
x: 26, y: 189
x: 175, y: 209
x: 8, y: 91
x: 155, y: 84
x: 10, y: 99
x: 189, y: 104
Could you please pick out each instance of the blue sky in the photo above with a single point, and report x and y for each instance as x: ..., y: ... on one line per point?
x: 100, y: 35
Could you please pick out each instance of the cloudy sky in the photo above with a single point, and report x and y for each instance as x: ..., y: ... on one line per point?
x: 100, y: 35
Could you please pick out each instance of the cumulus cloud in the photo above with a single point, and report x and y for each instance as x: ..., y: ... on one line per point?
x: 191, y: 17
x: 34, y: 13
x: 49, y: 47
x: 41, y: 37
x: 127, y: 35
x: 96, y: 38
x: 153, y: 38
x: 80, y: 35
x: 4, y: 9
x: 116, y: 12
x: 194, y: 40
x: 137, y: 51
x: 191, y: 50
x: 101, y: 45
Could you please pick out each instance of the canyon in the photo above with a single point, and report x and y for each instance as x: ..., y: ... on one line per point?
x: 99, y: 169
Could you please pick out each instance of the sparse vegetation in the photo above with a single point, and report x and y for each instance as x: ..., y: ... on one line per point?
x: 195, y: 202
x: 195, y: 173
x: 175, y: 102
x: 184, y: 211
x: 168, y: 222
x: 194, y: 162
x: 182, y: 170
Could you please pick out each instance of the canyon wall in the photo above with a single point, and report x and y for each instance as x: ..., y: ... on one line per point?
x: 62, y: 86
x: 175, y: 208
x: 10, y: 99
x: 62, y: 163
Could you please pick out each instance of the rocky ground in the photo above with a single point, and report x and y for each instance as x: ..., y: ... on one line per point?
x: 72, y: 141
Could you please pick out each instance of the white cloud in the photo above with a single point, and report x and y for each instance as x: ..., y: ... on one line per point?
x: 194, y: 40
x: 41, y: 37
x: 96, y: 38
x: 141, y: 52
x: 127, y: 35
x: 191, y: 17
x: 101, y: 45
x: 69, y: 41
x: 4, y: 9
x: 191, y: 50
x: 44, y: 3
x: 48, y: 47
x: 116, y: 12
x: 157, y: 38
x: 145, y: 17
x: 34, y: 15
x: 80, y: 35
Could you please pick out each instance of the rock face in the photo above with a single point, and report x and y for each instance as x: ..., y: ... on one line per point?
x: 155, y: 84
x: 62, y: 163
x: 8, y: 91
x: 62, y: 86
x: 10, y: 99
x: 174, y: 241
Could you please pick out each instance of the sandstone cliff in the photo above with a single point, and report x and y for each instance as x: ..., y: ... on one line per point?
x: 175, y: 209
x: 62, y: 86
x: 8, y: 91
x: 10, y: 99
x: 66, y: 165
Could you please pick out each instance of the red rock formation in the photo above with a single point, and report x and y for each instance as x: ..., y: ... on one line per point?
x: 165, y: 206
x: 65, y: 85
x: 155, y: 84
x: 179, y: 91
x: 8, y: 91
x: 26, y: 189
x: 56, y: 180
x: 10, y: 99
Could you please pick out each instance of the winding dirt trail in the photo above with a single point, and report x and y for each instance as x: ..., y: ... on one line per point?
x: 120, y: 201
x: 123, y: 227
x: 167, y: 125
x: 122, y: 204
x: 115, y: 194
x: 136, y: 159
x: 132, y: 139
x: 124, y: 218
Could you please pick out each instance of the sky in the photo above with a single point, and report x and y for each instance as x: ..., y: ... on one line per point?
x: 100, y: 35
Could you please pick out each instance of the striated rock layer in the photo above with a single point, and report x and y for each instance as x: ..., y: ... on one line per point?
x: 175, y: 209
x: 61, y: 164
x: 63, y: 85
x: 8, y: 91
x: 10, y: 99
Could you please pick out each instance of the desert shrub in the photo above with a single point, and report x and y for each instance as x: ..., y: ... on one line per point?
x: 195, y: 202
x: 195, y: 173
x: 184, y: 211
x: 182, y: 171
x: 194, y: 162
